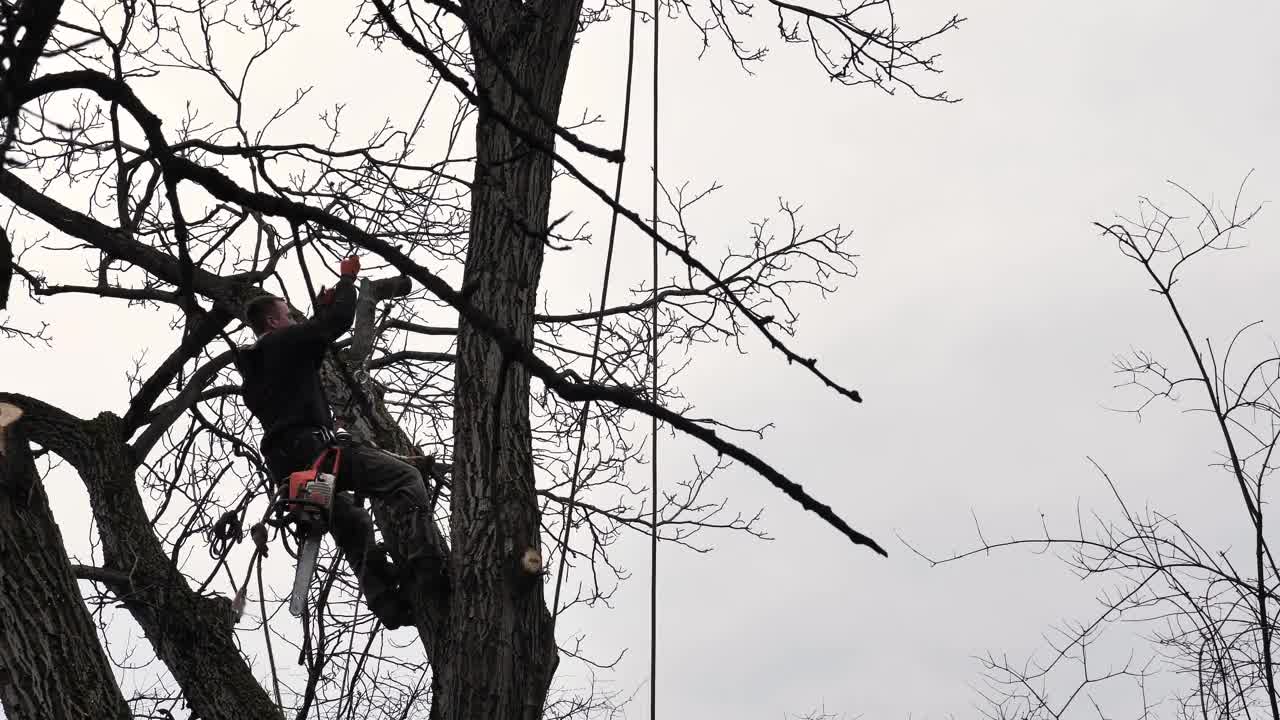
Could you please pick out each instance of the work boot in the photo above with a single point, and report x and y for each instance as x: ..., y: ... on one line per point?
x: 387, y: 563
x: 392, y: 609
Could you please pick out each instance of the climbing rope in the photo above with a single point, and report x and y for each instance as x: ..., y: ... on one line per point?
x: 259, y: 534
x: 595, y: 344
x: 567, y: 521
x: 653, y: 364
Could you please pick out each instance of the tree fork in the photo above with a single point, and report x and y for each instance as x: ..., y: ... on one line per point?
x: 192, y: 634
x: 51, y: 663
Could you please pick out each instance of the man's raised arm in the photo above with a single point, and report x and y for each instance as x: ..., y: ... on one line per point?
x: 334, y: 313
x: 336, y: 309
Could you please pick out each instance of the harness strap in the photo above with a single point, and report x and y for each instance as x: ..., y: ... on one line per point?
x: 337, y: 459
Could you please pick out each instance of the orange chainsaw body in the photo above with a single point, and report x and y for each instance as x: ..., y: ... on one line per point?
x: 312, y: 489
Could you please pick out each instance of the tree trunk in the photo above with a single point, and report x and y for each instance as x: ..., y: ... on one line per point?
x: 51, y: 663
x: 502, y: 651
x: 192, y: 634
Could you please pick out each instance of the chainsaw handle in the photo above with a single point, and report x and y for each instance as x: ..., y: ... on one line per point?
x: 299, y: 503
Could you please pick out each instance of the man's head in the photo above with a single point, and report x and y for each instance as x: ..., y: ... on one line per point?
x: 268, y: 313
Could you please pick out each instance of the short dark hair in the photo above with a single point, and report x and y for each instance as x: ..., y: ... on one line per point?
x: 255, y: 312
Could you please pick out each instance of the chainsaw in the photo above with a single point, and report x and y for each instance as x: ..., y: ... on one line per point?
x: 310, y: 500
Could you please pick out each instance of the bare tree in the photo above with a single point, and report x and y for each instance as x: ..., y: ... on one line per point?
x: 193, y: 211
x: 1200, y: 619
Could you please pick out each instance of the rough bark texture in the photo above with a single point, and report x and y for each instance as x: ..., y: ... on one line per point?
x: 191, y: 634
x: 51, y: 663
x: 24, y: 32
x: 502, y: 657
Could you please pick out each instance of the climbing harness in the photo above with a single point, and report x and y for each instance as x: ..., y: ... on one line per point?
x: 303, y: 500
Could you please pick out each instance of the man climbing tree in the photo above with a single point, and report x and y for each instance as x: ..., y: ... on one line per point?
x: 283, y: 390
x: 139, y: 152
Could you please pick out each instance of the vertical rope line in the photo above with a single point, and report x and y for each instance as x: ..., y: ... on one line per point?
x: 595, y: 344
x: 653, y: 363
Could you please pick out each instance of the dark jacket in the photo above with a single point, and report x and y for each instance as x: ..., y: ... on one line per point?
x: 281, y: 371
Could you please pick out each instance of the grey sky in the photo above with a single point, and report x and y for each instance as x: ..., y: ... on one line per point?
x: 980, y: 331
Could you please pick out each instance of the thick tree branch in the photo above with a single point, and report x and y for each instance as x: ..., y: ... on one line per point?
x: 621, y: 309
x: 232, y: 295
x: 419, y: 329
x: 222, y: 188
x: 578, y: 392
x: 167, y: 414
x: 51, y: 662
x: 390, y: 288
x: 411, y: 356
x: 113, y: 578
x: 364, y: 331
x: 192, y: 634
x: 206, y: 329
x: 186, y: 402
x: 106, y: 291
x: 117, y: 91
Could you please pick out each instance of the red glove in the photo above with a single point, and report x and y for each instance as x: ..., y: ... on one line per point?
x: 350, y: 267
x: 325, y: 297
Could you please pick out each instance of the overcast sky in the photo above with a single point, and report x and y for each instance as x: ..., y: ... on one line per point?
x: 980, y: 331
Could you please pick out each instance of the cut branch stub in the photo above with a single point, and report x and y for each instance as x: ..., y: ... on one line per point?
x: 16, y: 483
x: 9, y: 416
